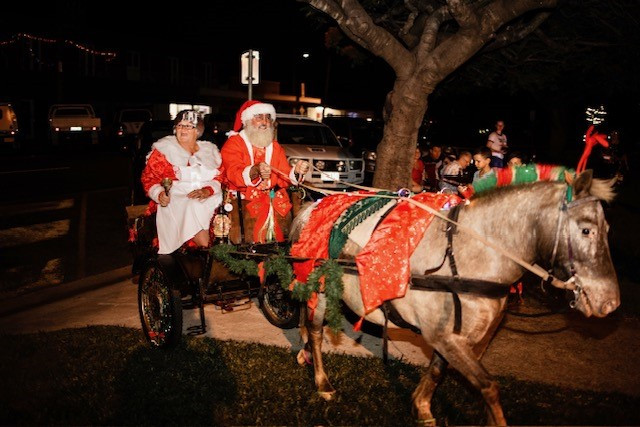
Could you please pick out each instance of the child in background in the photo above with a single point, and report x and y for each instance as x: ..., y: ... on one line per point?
x: 482, y: 160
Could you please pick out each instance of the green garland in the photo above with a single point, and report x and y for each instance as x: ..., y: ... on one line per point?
x: 236, y: 266
x: 279, y: 266
x: 333, y: 287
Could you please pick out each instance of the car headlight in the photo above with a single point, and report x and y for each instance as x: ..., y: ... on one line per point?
x: 293, y: 161
x: 320, y: 165
x: 370, y: 155
x: 341, y: 166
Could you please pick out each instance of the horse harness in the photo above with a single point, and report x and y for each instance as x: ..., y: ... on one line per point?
x: 455, y: 284
x: 564, y: 215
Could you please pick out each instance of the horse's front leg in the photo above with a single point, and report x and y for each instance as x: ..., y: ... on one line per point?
x: 314, y: 330
x: 464, y: 360
x: 424, y: 392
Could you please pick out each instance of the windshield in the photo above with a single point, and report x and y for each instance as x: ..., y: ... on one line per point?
x: 69, y: 112
x: 306, y: 135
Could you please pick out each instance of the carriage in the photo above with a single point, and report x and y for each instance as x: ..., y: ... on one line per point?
x: 192, y: 277
x: 465, y: 261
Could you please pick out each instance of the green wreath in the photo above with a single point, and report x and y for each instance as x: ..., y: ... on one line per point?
x: 279, y: 266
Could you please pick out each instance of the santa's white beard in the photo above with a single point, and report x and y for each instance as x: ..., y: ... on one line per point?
x: 259, y: 137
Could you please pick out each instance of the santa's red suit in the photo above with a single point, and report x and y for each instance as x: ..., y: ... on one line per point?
x: 183, y: 217
x: 238, y: 156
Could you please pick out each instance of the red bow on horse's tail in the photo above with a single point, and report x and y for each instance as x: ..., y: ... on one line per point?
x: 590, y: 140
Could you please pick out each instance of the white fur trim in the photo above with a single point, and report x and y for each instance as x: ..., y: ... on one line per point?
x: 154, y: 192
x: 261, y: 108
x: 208, y: 154
x: 247, y: 178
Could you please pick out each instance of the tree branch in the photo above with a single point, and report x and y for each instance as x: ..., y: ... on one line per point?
x: 463, y: 13
x: 358, y: 25
x: 516, y: 33
x: 430, y: 31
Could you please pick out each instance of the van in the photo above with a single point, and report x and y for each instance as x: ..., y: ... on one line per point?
x: 8, y: 125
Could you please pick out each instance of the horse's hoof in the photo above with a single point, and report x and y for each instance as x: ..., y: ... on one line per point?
x: 304, y: 357
x: 327, y: 395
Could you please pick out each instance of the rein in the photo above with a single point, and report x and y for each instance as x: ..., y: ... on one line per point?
x: 533, y: 268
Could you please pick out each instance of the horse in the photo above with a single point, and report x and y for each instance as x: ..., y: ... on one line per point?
x: 533, y: 221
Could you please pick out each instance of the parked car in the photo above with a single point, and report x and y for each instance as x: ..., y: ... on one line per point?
x: 8, y: 125
x: 71, y: 122
x: 305, y: 139
x: 361, y: 136
x: 127, y: 125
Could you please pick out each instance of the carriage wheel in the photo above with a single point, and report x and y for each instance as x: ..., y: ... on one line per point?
x: 160, y: 309
x: 278, y: 306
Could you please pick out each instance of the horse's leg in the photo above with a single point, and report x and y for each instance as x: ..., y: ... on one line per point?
x: 314, y: 332
x: 424, y: 392
x: 464, y: 360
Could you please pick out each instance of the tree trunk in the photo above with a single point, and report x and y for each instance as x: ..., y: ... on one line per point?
x: 406, y: 106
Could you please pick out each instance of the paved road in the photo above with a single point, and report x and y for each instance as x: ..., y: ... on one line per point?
x: 565, y: 350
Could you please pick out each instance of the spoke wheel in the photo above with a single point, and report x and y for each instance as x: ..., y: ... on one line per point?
x: 279, y: 307
x: 160, y: 309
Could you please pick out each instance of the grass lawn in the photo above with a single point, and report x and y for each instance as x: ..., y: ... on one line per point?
x: 110, y: 376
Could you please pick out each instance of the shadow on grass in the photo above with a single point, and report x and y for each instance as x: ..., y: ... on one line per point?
x: 108, y: 375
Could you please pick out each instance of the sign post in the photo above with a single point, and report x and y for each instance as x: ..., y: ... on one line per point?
x: 250, y: 70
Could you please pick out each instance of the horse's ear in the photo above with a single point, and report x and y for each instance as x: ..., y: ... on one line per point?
x: 582, y: 183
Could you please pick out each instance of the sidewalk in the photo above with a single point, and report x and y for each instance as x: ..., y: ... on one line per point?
x: 566, y: 350
x: 37, y: 297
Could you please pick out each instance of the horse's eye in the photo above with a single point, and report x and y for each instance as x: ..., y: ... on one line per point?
x: 586, y: 231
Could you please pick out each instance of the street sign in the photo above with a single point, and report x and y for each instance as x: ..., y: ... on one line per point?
x: 250, y: 68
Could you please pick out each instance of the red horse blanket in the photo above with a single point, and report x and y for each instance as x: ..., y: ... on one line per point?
x: 383, y: 263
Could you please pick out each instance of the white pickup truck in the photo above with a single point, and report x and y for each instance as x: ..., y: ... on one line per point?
x: 72, y: 121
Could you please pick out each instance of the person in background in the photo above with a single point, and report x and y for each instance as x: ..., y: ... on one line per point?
x: 497, y: 143
x: 451, y: 173
x: 514, y: 159
x: 432, y: 166
x: 256, y: 166
x: 182, y: 178
x: 417, y: 173
x: 482, y: 161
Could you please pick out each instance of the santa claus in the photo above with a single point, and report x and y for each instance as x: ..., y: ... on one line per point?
x: 181, y: 177
x: 256, y: 167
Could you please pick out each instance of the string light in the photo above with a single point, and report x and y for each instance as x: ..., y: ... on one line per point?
x: 109, y: 56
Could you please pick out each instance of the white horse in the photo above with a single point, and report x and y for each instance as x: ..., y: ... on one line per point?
x: 534, y: 222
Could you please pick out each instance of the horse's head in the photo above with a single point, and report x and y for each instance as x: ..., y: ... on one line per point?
x: 583, y: 249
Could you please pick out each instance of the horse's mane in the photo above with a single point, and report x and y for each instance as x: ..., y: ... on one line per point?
x: 516, y: 176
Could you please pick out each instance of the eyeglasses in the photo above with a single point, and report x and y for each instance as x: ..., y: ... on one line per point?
x: 187, y: 127
x: 262, y: 118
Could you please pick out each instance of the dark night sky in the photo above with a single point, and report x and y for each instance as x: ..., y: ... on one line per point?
x: 280, y: 30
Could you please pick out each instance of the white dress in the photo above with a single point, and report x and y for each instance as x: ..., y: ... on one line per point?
x: 182, y: 218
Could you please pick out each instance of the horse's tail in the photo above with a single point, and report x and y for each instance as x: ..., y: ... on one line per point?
x: 300, y: 220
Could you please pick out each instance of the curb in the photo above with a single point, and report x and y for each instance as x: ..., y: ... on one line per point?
x: 64, y: 290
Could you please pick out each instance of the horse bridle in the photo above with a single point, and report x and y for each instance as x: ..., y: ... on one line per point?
x: 574, y: 278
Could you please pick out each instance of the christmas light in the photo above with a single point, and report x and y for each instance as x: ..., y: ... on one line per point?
x: 106, y: 54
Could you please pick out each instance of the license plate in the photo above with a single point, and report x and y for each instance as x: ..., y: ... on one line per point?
x: 75, y: 128
x: 330, y: 176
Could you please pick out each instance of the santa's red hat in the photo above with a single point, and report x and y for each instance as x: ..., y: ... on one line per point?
x: 251, y: 108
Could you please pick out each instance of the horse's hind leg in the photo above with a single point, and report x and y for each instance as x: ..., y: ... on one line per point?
x: 314, y: 332
x: 424, y: 392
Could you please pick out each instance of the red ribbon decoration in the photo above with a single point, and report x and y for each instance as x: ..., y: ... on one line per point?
x: 258, y: 207
x: 590, y: 140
